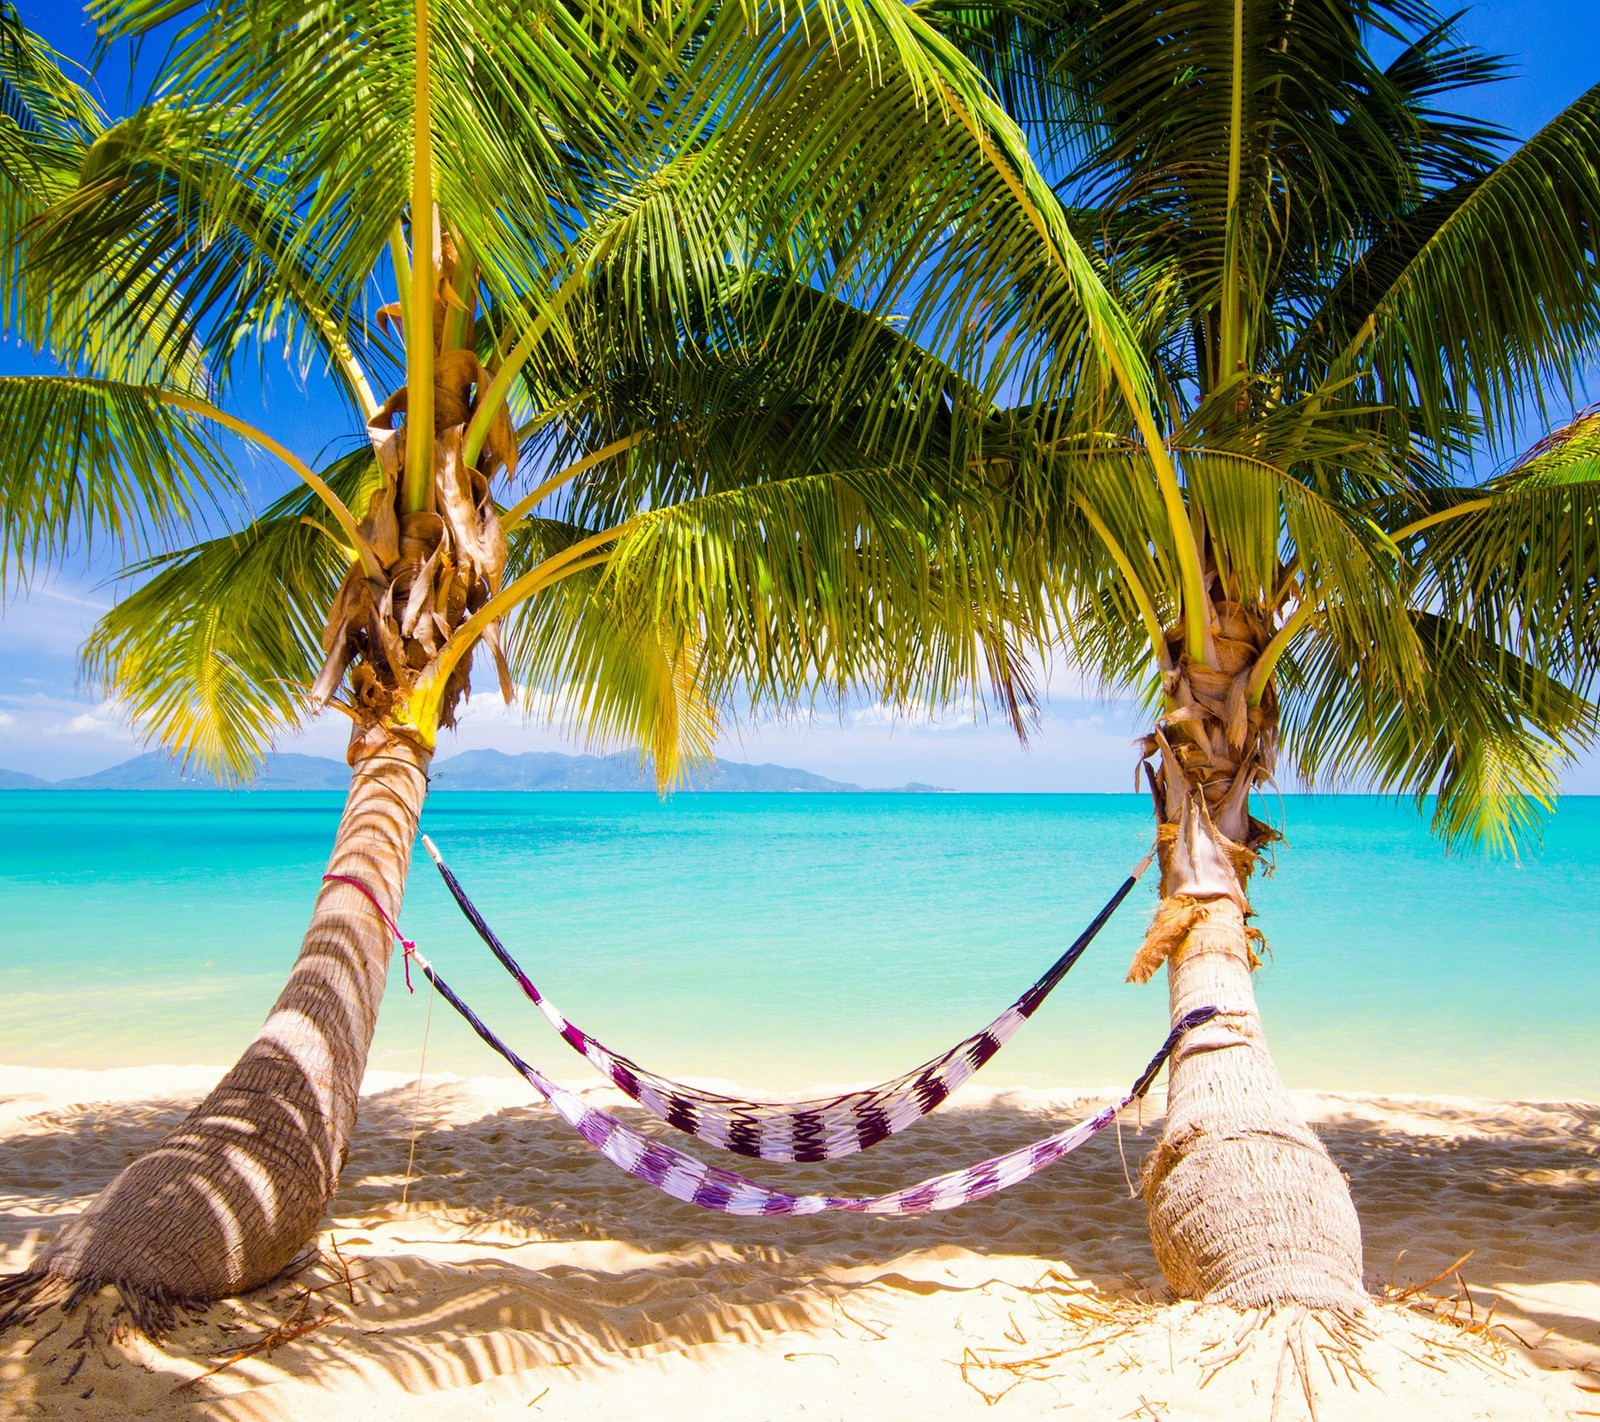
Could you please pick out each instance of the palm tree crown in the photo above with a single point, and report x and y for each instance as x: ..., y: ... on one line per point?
x: 1348, y: 293
x: 645, y: 253
x: 1344, y: 292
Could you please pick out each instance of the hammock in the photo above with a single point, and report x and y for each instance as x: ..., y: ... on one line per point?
x: 823, y: 1129
x: 683, y: 1177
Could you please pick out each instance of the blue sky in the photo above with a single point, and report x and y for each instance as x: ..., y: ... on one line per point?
x: 53, y: 726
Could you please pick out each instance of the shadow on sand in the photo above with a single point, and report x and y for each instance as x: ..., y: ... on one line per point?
x: 519, y: 1247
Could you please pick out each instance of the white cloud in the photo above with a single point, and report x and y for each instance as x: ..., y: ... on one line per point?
x: 90, y: 723
x: 961, y: 715
x: 61, y: 736
x: 55, y: 594
x: 536, y: 720
x: 106, y: 718
x: 529, y: 704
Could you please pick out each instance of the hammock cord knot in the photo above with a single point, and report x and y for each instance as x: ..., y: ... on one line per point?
x: 408, y: 948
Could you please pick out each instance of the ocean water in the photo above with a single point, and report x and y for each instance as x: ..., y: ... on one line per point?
x: 796, y: 940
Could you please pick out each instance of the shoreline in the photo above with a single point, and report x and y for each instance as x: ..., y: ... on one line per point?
x: 180, y: 1078
x: 169, y: 1080
x: 516, y: 1273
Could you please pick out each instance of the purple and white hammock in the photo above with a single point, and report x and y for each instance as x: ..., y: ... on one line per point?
x: 815, y: 1130
x: 683, y: 1177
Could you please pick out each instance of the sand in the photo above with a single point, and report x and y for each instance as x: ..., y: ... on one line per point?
x: 522, y: 1277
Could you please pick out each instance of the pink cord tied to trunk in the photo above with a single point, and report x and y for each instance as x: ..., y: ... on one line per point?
x: 409, y: 949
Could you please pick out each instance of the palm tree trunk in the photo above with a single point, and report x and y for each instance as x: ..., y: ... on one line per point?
x: 229, y: 1198
x: 1246, y: 1207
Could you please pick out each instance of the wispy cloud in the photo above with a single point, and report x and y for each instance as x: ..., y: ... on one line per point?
x: 538, y: 718
x: 51, y: 622
x: 106, y: 718
x: 55, y: 594
x: 962, y: 715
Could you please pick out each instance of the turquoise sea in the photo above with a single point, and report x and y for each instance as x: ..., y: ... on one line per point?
x: 792, y: 940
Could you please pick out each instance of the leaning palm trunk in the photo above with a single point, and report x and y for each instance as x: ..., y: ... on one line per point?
x: 1246, y: 1206
x: 230, y: 1197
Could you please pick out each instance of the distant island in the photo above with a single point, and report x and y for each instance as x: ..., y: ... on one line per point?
x: 471, y: 770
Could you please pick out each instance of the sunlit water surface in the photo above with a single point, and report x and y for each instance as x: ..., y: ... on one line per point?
x: 791, y: 940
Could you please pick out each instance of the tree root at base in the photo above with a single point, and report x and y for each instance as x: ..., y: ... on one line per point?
x: 26, y: 1296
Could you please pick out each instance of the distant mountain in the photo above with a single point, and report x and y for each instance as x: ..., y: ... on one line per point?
x: 152, y: 771
x: 287, y: 771
x: 471, y: 770
x: 739, y: 777
x: 155, y: 770
x: 536, y: 770
x: 550, y: 770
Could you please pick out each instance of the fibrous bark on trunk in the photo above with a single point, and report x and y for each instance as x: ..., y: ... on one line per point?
x: 228, y: 1199
x: 1246, y: 1207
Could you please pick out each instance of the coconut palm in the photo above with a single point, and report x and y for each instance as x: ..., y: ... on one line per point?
x: 651, y: 439
x: 1348, y: 294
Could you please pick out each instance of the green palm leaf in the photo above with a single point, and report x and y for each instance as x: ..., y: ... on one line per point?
x: 1491, y: 289
x: 1483, y: 732
x: 212, y: 653
x: 91, y: 457
x: 1521, y: 560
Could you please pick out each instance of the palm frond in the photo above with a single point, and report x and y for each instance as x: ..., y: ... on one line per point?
x: 1485, y: 733
x: 604, y: 669
x: 46, y: 119
x: 1521, y: 560
x: 164, y: 244
x: 1488, y: 294
x: 89, y: 458
x: 212, y: 653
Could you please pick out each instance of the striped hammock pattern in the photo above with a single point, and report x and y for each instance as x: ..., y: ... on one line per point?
x: 824, y: 1129
x: 686, y: 1178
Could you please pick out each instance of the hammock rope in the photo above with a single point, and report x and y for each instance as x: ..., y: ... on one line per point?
x: 684, y: 1177
x: 823, y: 1129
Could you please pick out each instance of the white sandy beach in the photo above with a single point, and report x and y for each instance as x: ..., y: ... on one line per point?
x: 524, y: 1277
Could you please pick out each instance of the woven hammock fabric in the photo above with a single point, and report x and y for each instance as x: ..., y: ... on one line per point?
x: 824, y: 1129
x: 684, y: 1177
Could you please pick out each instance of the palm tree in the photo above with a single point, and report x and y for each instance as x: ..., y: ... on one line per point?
x: 660, y: 251
x: 1347, y: 293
